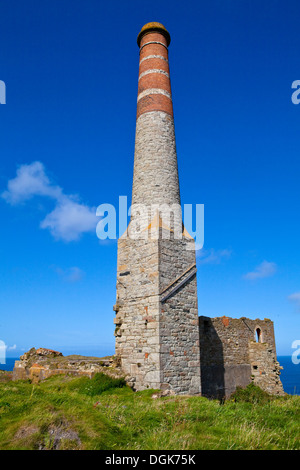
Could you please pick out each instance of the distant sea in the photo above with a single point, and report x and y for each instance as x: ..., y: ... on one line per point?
x: 10, y: 362
x: 290, y: 375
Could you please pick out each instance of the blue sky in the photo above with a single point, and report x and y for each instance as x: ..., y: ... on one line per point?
x: 67, y: 135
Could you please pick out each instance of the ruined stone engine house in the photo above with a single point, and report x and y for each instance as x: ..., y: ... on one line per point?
x: 160, y: 341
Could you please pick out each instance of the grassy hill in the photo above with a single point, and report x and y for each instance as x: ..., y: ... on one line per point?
x: 102, y: 413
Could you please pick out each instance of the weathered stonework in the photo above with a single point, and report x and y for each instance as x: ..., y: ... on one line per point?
x: 155, y: 178
x: 159, y: 338
x: 39, y: 364
x: 232, y: 355
x: 156, y: 320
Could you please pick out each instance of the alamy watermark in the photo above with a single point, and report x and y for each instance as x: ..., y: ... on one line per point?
x: 3, y: 348
x: 143, y: 222
x: 296, y: 95
x: 2, y: 92
x: 296, y: 354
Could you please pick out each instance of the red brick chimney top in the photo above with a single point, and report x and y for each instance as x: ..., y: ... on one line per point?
x: 153, y: 27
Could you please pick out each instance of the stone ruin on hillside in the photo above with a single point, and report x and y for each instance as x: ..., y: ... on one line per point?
x: 160, y: 341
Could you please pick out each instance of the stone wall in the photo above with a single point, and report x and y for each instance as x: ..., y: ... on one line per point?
x: 137, y: 312
x: 157, y: 340
x: 179, y: 337
x: 155, y: 179
x: 265, y: 369
x: 39, y: 364
x: 231, y: 356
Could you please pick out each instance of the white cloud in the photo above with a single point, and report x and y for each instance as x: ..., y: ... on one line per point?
x: 31, y: 180
x: 295, y: 298
x: 212, y: 256
x: 265, y: 269
x: 12, y: 348
x: 68, y: 220
x: 73, y: 274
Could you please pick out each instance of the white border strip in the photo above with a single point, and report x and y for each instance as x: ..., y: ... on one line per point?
x: 163, y: 72
x: 154, y: 91
x: 153, y: 56
x: 153, y: 42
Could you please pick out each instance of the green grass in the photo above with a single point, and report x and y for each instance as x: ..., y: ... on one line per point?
x: 102, y: 413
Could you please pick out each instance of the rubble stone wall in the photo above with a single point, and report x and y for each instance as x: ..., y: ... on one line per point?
x: 179, y: 336
x: 39, y: 364
x: 235, y: 352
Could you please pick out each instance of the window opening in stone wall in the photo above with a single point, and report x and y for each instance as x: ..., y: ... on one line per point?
x: 258, y: 335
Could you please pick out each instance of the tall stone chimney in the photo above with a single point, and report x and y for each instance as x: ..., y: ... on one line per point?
x: 157, y: 333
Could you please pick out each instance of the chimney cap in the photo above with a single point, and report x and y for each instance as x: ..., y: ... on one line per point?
x: 153, y: 26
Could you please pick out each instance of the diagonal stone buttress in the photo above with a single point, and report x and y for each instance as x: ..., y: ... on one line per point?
x: 157, y: 334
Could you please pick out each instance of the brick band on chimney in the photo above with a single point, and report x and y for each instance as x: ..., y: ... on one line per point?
x: 154, y: 89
